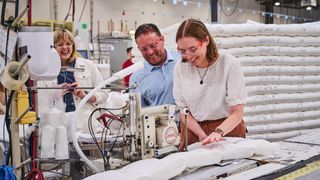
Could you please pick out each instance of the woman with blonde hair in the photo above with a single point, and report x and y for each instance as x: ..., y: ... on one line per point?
x: 75, y: 72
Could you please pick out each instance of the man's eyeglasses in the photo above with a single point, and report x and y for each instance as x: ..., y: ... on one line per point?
x: 191, y: 51
x: 152, y: 46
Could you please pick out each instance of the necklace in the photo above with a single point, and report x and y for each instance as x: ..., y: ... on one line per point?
x: 202, y: 76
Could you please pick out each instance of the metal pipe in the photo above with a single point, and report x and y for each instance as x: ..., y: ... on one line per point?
x: 3, y: 11
x: 15, y: 22
x: 30, y: 13
x: 23, y: 62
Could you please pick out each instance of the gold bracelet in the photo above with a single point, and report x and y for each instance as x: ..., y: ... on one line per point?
x: 219, y: 131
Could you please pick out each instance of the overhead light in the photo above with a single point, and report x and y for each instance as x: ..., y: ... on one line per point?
x: 174, y: 1
x: 305, y: 3
x: 277, y: 3
x: 185, y: 3
x: 309, y: 8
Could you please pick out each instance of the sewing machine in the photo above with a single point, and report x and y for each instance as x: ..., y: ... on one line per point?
x: 149, y: 132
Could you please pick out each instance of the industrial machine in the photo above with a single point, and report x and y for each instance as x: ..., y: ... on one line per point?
x: 149, y: 132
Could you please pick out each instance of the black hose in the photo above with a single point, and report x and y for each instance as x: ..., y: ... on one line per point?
x: 3, y: 11
x: 7, y: 119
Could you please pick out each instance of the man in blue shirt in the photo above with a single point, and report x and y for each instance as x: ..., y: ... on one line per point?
x: 154, y: 82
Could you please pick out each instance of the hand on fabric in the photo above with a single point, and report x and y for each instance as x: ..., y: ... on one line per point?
x: 201, y: 138
x: 213, y: 137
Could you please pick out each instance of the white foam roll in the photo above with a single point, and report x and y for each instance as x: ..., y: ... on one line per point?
x: 54, y: 117
x: 83, y: 122
x: 67, y: 119
x: 62, y: 151
x: 47, y: 142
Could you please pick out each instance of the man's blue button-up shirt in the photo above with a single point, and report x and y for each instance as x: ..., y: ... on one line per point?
x: 154, y: 83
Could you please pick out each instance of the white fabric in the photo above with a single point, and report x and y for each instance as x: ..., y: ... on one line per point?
x: 278, y: 98
x: 272, y: 50
x: 279, y: 60
x: 264, y: 29
x: 281, y: 117
x: 270, y: 89
x: 299, y: 79
x: 281, y: 107
x: 243, y: 41
x: 197, y: 156
x: 90, y: 77
x: 281, y: 70
x: 223, y: 86
x: 277, y: 127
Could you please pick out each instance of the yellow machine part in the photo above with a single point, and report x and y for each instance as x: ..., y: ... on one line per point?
x: 299, y: 173
x: 22, y: 105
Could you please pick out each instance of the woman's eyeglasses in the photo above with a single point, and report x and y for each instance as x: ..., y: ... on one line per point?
x: 191, y: 51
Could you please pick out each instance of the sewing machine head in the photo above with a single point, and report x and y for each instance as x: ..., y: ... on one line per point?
x: 151, y: 132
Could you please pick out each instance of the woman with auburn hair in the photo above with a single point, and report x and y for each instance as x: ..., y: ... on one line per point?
x: 210, y: 84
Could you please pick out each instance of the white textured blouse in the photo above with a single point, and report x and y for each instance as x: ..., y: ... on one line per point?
x: 223, y: 86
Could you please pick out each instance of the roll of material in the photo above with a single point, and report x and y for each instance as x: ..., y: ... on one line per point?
x: 10, y: 82
x: 83, y: 122
x: 47, y: 142
x: 67, y: 120
x: 54, y: 118
x: 62, y: 151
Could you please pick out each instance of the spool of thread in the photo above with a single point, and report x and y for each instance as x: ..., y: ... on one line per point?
x: 83, y: 121
x: 62, y: 151
x: 47, y: 142
x: 10, y: 82
x: 68, y: 119
x: 54, y: 117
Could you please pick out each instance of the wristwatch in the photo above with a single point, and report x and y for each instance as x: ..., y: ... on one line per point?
x: 219, y: 131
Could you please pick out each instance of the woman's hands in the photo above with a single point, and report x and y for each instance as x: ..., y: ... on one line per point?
x: 72, y: 88
x: 213, y: 137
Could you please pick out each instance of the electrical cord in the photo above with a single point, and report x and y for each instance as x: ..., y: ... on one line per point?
x: 7, y: 45
x: 84, y: 5
x: 73, y: 9
x: 106, y: 124
x: 68, y: 10
x: 8, y: 103
x: 7, y: 121
x: 91, y: 131
x: 112, y: 146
